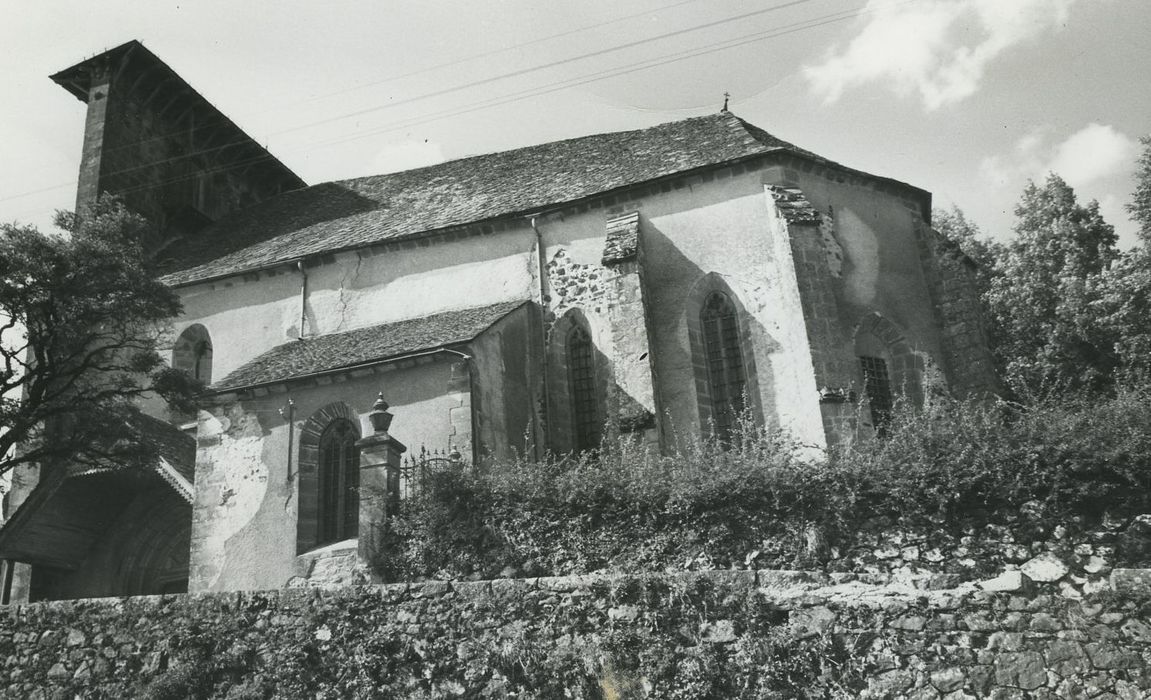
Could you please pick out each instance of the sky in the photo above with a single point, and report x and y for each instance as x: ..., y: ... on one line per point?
x: 968, y: 99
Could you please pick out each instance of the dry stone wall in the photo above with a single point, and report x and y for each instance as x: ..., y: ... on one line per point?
x: 754, y: 634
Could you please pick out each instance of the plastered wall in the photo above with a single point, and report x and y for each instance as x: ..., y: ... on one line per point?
x: 244, y: 524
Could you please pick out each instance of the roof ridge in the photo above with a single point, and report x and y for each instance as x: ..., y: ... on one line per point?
x: 520, y: 149
x: 388, y: 207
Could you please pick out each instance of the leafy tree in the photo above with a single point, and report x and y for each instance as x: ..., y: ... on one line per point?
x: 954, y: 224
x: 1140, y: 205
x: 986, y: 253
x: 1045, y: 298
x: 81, y: 322
x: 1127, y: 292
x: 1126, y: 313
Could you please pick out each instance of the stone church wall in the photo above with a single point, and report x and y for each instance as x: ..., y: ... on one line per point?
x: 249, y: 457
x: 951, y: 278
x: 805, y: 287
x: 250, y: 314
x: 505, y: 370
x: 698, y: 634
x: 721, y: 227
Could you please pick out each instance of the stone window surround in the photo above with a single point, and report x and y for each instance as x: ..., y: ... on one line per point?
x: 877, y: 336
x: 561, y: 415
x: 338, y: 474
x: 693, y: 309
x: 308, y: 481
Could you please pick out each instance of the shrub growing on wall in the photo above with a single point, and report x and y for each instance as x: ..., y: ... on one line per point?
x: 754, y: 503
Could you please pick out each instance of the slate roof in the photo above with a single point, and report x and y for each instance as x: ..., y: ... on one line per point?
x: 354, y: 213
x: 170, y: 443
x: 337, y: 351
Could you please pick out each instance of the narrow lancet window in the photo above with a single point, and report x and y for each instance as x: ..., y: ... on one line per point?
x: 727, y: 379
x: 877, y: 387
x: 587, y: 427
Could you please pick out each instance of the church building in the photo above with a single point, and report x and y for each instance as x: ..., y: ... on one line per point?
x: 652, y: 285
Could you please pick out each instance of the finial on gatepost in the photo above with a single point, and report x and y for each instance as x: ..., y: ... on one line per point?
x: 379, y: 416
x: 381, y: 419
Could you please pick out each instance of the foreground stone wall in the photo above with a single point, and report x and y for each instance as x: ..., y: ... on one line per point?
x: 697, y: 634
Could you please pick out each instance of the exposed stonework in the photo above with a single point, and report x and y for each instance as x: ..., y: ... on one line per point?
x: 818, y: 267
x: 955, y: 298
x: 794, y: 205
x: 622, y: 243
x: 870, y: 636
x: 575, y: 286
x: 831, y: 245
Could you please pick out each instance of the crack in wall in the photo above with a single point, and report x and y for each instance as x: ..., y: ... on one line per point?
x: 348, y: 279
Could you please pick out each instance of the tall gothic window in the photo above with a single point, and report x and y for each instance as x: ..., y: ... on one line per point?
x: 877, y: 388
x: 339, y: 472
x: 727, y: 380
x: 587, y: 423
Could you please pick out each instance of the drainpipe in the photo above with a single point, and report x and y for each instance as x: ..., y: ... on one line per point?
x: 303, y: 298
x: 288, y: 413
x: 544, y: 299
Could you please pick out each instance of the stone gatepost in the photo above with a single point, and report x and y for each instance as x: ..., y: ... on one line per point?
x: 380, y: 455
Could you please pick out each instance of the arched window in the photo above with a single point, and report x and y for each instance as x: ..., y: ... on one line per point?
x: 193, y: 353
x: 723, y: 355
x: 339, y: 482
x: 586, y: 421
x: 328, y: 477
x: 888, y: 369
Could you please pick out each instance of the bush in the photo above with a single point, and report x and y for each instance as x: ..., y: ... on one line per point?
x: 757, y: 503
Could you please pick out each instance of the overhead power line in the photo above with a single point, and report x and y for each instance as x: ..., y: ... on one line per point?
x: 531, y: 92
x: 421, y: 71
x: 582, y: 80
x: 457, y: 88
x: 546, y: 66
x: 494, y: 52
x: 604, y: 75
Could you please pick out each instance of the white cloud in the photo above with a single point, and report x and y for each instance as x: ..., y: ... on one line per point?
x: 1095, y: 152
x: 1092, y: 154
x: 1097, y: 161
x: 405, y: 155
x: 938, y: 49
